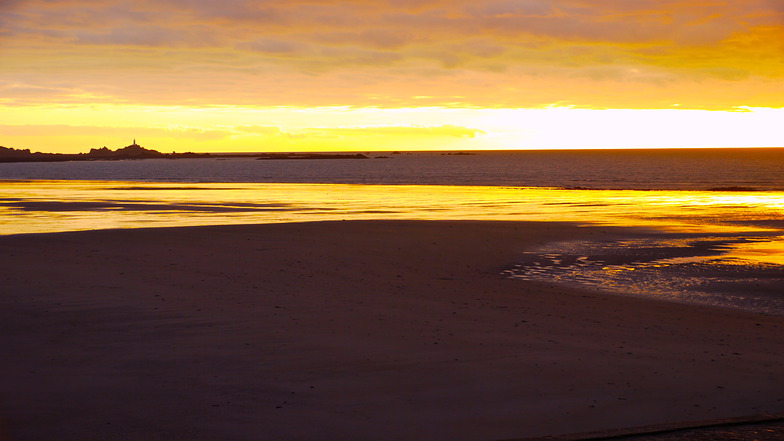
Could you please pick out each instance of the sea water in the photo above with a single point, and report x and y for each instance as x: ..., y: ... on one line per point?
x: 718, y: 213
x: 698, y: 169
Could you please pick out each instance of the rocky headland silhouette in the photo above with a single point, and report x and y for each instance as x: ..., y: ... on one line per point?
x: 135, y: 151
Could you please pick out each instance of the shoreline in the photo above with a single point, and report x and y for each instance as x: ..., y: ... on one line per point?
x: 51, y: 206
x: 353, y: 330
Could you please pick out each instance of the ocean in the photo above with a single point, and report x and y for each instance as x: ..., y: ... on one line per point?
x: 717, y: 214
x: 681, y: 169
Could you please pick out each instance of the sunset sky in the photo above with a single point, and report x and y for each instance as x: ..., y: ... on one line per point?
x: 296, y: 75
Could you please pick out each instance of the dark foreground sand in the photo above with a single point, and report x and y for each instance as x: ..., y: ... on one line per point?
x: 350, y: 331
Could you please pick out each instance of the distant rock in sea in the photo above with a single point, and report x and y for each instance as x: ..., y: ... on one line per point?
x: 733, y: 188
x: 273, y: 156
x: 133, y: 151
x: 8, y: 154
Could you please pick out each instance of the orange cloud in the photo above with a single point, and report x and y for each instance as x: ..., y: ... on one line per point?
x: 452, y: 53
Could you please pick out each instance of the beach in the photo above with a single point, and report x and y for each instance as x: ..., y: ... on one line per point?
x: 415, y: 220
x: 361, y: 330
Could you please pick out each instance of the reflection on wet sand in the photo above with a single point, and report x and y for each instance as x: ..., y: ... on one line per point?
x: 50, y: 206
x: 44, y: 206
x: 709, y: 245
x: 744, y: 271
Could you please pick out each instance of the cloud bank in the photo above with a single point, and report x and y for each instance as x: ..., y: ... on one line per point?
x: 711, y: 54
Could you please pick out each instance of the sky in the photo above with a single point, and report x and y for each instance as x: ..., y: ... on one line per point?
x: 364, y: 75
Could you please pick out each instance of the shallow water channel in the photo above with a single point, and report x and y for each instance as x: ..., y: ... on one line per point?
x: 741, y: 271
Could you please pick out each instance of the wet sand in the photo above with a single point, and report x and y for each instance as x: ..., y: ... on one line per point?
x: 378, y: 330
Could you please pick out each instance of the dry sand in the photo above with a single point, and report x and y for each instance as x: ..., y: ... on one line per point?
x: 378, y: 330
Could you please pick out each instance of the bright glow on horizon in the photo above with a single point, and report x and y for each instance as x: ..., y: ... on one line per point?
x: 247, y: 129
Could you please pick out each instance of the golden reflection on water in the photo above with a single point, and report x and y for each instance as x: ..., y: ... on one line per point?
x: 51, y: 206
x: 769, y: 251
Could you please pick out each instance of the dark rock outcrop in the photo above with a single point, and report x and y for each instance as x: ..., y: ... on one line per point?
x: 133, y: 151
